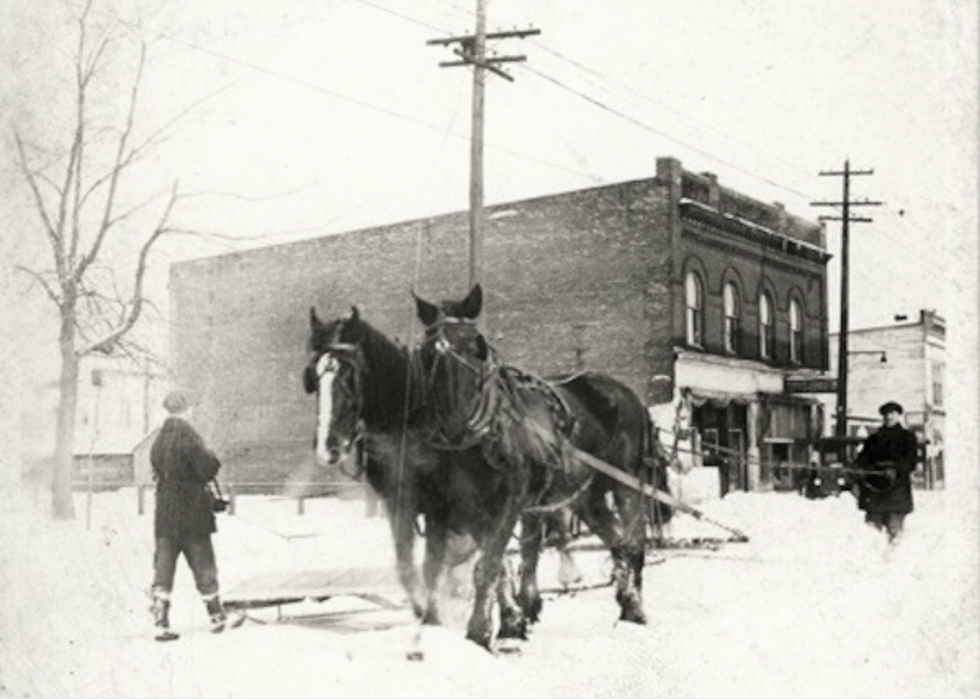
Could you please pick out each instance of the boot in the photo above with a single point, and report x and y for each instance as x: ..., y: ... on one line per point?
x: 161, y: 620
x: 219, y: 617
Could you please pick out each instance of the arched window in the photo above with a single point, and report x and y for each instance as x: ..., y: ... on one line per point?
x: 795, y: 332
x: 694, y: 296
x: 733, y: 312
x: 767, y: 328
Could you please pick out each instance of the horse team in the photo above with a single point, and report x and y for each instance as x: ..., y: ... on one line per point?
x: 451, y: 435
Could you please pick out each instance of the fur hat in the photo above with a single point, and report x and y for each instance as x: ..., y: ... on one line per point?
x: 890, y: 407
x: 175, y: 402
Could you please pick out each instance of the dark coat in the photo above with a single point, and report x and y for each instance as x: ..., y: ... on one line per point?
x: 182, y: 466
x: 889, y: 448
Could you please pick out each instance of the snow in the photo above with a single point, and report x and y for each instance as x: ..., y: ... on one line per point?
x: 816, y: 604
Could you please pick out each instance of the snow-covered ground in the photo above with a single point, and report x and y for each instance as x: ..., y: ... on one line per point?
x: 815, y: 605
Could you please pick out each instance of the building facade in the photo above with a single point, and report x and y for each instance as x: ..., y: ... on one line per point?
x: 904, y: 362
x: 701, y: 299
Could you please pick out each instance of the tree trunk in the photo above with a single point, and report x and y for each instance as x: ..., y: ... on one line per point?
x: 62, y: 503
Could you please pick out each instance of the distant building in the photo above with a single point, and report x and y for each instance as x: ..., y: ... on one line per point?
x: 700, y: 298
x: 904, y: 362
x: 119, y: 403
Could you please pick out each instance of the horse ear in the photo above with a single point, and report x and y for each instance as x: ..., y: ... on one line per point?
x: 355, y: 313
x: 471, y: 306
x: 314, y: 321
x: 426, y: 312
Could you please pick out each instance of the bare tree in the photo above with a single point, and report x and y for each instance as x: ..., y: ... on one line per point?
x: 79, y: 206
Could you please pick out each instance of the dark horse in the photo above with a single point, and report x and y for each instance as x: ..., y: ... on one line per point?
x: 529, y: 431
x: 369, y: 390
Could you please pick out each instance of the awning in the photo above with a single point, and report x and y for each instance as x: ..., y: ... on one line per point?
x: 722, y: 399
x: 719, y: 399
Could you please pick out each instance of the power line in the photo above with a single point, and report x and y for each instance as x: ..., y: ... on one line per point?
x: 635, y: 121
x: 696, y: 122
x: 660, y: 132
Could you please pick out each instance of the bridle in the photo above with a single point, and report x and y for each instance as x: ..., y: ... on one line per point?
x: 483, y: 405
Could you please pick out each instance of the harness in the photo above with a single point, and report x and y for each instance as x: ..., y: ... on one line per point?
x: 504, y: 415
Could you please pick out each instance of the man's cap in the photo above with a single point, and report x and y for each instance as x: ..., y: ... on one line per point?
x: 890, y: 407
x: 175, y: 402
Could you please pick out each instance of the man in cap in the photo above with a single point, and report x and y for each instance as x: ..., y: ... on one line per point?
x: 184, y: 517
x: 888, y: 459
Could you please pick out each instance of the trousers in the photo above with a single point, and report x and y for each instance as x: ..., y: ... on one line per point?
x: 199, y: 554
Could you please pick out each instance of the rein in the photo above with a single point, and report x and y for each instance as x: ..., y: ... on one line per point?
x: 486, y: 401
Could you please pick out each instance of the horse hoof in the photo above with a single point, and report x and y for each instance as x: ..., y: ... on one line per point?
x: 480, y: 638
x: 431, y: 618
x: 634, y: 616
x: 513, y: 628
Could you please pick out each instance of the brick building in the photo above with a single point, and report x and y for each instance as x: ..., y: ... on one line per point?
x: 703, y: 300
x: 904, y: 362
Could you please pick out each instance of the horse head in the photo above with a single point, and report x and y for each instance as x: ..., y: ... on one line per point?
x: 456, y: 361
x: 335, y: 373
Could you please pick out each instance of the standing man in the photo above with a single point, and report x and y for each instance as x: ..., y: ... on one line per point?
x: 889, y: 456
x: 184, y: 517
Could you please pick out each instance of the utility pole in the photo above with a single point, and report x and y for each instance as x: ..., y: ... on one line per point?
x: 472, y: 50
x: 840, y: 424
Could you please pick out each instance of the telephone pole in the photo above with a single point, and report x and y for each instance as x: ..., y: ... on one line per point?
x: 840, y: 424
x: 472, y: 50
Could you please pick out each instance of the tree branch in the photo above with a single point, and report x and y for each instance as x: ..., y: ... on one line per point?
x: 39, y: 204
x: 121, y: 157
x: 43, y: 282
x: 107, y: 343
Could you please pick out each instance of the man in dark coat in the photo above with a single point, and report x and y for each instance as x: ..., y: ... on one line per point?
x: 889, y: 457
x: 184, y: 518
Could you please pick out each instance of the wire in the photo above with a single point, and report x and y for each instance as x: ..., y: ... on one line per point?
x: 667, y: 108
x: 659, y: 132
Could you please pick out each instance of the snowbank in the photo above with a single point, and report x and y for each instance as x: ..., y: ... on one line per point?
x: 814, y: 605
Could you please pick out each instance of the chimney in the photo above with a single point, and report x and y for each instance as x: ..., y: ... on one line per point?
x: 669, y: 171
x: 782, y: 217
x: 714, y: 194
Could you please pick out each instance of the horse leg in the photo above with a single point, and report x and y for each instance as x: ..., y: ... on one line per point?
x: 513, y: 623
x: 401, y: 519
x: 627, y: 552
x: 488, y: 572
x: 568, y: 572
x: 435, y: 556
x: 632, y: 513
x: 531, y: 540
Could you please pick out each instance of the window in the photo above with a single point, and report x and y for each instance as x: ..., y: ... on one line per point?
x: 694, y: 294
x: 767, y: 331
x: 732, y: 324
x: 795, y: 332
x: 938, y: 369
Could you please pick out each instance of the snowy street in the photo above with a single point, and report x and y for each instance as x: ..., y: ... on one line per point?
x: 814, y: 605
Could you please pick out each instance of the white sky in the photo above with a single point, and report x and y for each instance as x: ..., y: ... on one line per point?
x: 330, y: 115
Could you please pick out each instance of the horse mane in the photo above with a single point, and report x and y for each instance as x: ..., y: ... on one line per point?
x: 388, y: 382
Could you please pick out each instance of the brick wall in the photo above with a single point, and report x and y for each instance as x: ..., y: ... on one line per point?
x: 783, y: 276
x: 585, y: 270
